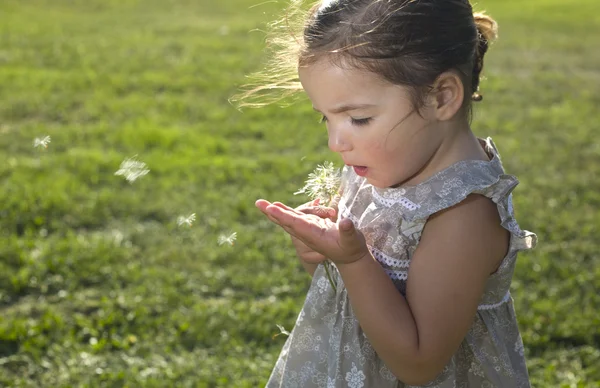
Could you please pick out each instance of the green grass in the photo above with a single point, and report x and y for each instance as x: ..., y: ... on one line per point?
x: 98, y: 285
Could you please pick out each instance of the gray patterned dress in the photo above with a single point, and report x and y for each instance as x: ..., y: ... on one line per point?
x: 327, y: 348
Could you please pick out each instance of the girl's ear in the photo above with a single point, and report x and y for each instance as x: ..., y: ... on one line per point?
x: 447, y: 95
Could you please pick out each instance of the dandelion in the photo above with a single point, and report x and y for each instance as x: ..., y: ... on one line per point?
x: 282, y: 330
x: 323, y: 183
x: 182, y: 220
x: 43, y: 142
x: 132, y: 169
x: 223, y: 239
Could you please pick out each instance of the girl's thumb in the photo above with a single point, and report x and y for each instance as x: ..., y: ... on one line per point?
x: 346, y: 226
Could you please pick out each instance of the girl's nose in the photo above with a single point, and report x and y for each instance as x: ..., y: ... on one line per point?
x: 337, y: 142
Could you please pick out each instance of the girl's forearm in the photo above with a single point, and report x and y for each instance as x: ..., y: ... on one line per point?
x: 385, y: 317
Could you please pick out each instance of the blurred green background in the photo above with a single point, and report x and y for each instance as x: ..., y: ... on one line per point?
x: 99, y: 286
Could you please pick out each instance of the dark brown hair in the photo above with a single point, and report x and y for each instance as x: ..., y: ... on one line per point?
x: 405, y: 42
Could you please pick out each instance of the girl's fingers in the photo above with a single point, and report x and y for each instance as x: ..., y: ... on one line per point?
x: 309, y: 208
x: 294, y: 221
x: 273, y: 220
x: 262, y: 205
x: 298, y: 211
x: 279, y: 223
x: 285, y: 207
x: 279, y: 210
x: 316, y: 209
x: 267, y: 208
x: 312, y: 207
x: 300, y: 227
x: 321, y: 211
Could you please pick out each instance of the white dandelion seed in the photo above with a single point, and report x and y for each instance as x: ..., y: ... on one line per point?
x: 224, y: 30
x: 43, y: 142
x: 182, y: 220
x: 223, y: 239
x: 282, y: 330
x: 323, y: 183
x: 132, y: 169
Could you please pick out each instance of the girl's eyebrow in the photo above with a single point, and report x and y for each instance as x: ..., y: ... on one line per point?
x: 345, y: 108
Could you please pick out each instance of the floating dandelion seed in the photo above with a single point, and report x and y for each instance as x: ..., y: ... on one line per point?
x: 282, y: 330
x: 323, y: 183
x: 39, y: 143
x: 224, y: 30
x: 223, y: 239
x: 132, y: 169
x: 181, y: 220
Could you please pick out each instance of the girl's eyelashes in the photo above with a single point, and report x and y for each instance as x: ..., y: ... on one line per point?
x: 357, y: 122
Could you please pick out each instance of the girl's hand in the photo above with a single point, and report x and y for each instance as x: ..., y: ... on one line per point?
x: 340, y: 242
x: 305, y: 253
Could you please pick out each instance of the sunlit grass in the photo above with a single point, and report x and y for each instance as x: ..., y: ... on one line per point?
x: 103, y: 284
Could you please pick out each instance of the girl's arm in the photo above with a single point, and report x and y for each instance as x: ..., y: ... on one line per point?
x: 416, y: 336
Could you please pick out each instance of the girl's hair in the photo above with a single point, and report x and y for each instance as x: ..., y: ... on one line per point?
x: 405, y: 42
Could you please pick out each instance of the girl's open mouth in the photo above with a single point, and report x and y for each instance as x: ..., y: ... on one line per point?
x: 360, y: 170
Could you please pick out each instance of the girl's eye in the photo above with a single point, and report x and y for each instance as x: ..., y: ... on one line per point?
x: 359, y: 122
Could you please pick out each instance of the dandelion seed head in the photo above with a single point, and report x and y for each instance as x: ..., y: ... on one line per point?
x: 224, y: 239
x: 322, y: 183
x: 132, y: 169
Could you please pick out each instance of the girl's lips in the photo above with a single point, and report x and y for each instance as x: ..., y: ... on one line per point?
x: 360, y: 170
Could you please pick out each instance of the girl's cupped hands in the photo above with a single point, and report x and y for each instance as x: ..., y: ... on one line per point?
x: 340, y: 242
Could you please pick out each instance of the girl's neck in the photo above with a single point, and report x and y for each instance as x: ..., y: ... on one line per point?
x: 459, y: 143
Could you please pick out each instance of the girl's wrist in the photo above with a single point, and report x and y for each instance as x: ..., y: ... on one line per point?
x: 360, y: 258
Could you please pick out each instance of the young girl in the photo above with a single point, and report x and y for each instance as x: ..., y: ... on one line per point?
x: 423, y: 238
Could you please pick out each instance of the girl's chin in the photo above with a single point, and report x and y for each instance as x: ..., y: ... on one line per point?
x: 383, y: 185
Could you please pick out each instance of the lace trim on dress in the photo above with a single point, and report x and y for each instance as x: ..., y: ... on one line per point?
x: 388, y: 260
x: 493, y: 306
x: 396, y: 275
x: 407, y: 203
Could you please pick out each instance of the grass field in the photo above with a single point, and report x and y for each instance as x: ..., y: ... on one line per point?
x: 99, y: 286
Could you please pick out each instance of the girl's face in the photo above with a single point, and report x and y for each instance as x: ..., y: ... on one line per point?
x: 372, y: 124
